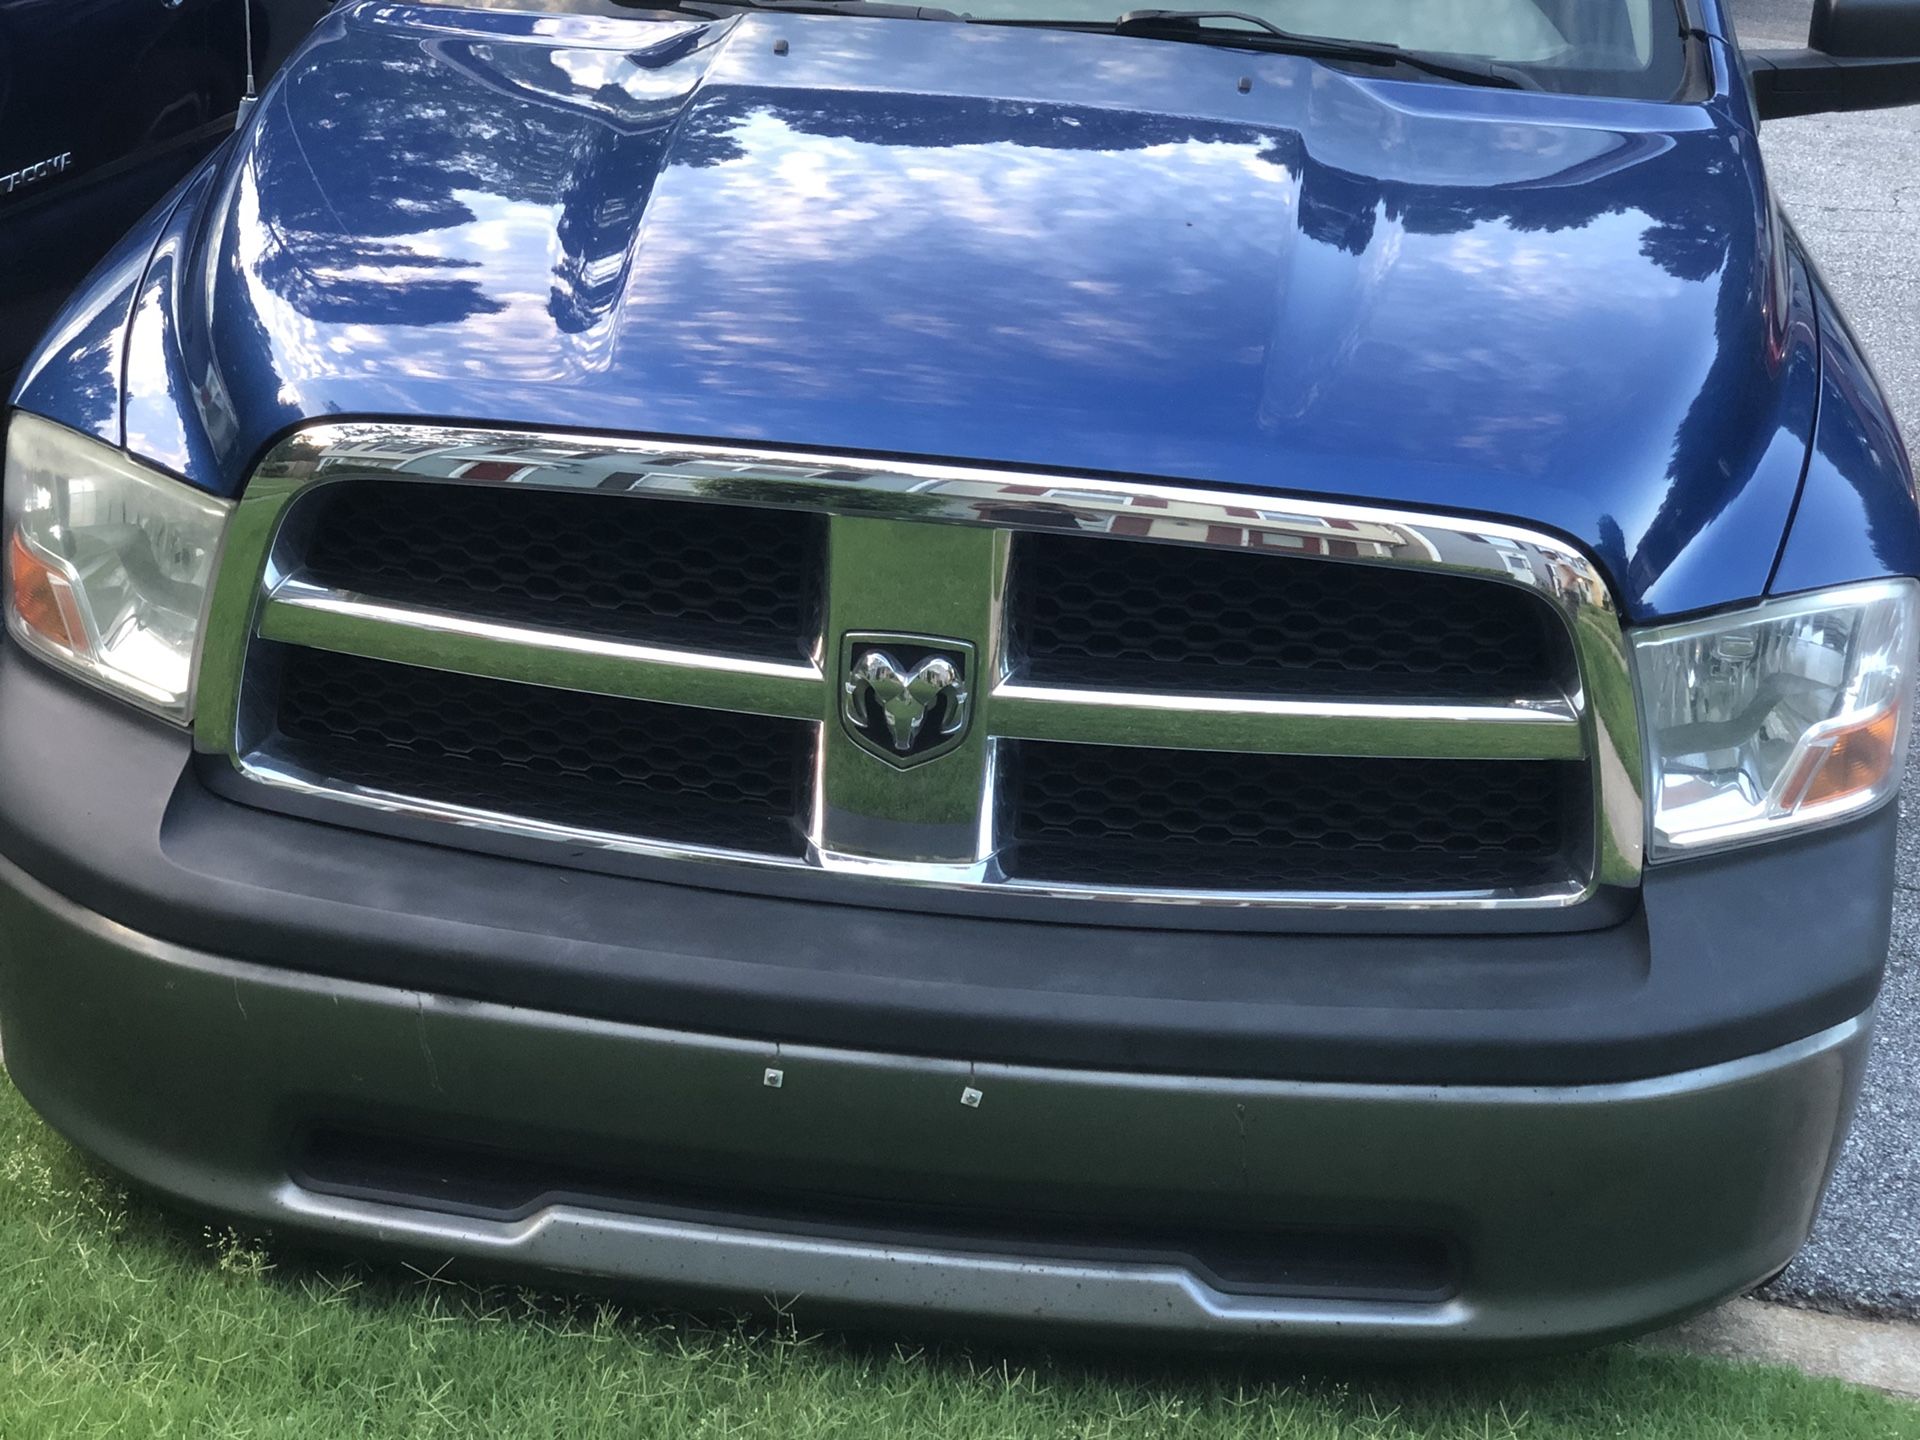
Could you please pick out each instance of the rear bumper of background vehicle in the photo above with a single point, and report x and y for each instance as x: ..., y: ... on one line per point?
x: 1561, y: 1212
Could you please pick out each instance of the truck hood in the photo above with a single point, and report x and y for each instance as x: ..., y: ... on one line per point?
x: 1010, y: 246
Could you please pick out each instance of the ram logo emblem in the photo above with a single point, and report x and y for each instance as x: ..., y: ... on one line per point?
x: 906, y: 698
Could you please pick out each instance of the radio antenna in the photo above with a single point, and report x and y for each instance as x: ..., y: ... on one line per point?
x: 252, y: 93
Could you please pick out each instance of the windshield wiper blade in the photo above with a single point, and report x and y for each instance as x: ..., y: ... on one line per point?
x: 1265, y: 35
x: 720, y: 9
x: 1166, y: 24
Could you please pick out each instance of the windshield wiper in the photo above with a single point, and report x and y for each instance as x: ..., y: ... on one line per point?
x: 1188, y: 25
x: 720, y: 9
x: 1191, y: 25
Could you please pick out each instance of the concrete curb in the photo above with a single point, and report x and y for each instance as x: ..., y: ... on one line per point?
x: 1883, y: 1354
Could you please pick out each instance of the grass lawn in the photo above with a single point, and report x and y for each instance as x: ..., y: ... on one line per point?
x: 116, y: 1319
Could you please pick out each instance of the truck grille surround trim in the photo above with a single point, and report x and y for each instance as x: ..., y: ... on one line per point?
x: 1040, y: 618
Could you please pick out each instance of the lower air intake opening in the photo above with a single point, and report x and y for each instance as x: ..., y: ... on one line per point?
x: 1378, y: 1265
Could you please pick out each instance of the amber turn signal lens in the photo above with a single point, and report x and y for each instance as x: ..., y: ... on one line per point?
x: 1857, y: 759
x: 43, y: 599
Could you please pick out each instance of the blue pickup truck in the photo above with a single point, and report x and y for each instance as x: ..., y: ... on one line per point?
x: 1224, y: 675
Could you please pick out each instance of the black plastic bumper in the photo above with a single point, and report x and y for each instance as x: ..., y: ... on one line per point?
x: 1724, y: 958
x: 888, y: 1186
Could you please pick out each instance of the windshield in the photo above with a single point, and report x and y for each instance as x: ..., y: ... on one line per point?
x: 1630, y: 48
x: 1606, y: 47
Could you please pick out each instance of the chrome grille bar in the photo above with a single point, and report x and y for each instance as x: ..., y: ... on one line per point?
x: 1484, y: 730
x: 297, y: 613
x: 924, y: 548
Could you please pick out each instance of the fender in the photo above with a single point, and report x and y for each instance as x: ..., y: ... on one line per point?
x: 76, y: 375
x: 1857, y: 516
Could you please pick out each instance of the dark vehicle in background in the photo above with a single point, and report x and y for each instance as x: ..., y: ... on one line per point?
x: 104, y: 105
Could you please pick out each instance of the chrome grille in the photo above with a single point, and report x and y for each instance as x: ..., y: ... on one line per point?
x: 1245, y: 700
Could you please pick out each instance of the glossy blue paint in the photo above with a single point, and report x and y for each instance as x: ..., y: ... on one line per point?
x: 75, y: 373
x: 166, y: 421
x: 1008, y: 246
x: 1749, y: 521
x: 1856, y: 517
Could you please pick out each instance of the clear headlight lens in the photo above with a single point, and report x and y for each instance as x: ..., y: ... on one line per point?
x: 107, y: 563
x: 1792, y: 714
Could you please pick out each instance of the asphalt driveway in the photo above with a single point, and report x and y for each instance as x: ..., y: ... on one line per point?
x: 1852, y: 185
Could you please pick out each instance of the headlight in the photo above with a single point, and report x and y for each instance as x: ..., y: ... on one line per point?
x: 107, y: 564
x: 1789, y: 715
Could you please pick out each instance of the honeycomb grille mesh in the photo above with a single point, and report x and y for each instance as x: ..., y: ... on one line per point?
x: 1120, y: 613
x: 1097, y: 611
x: 724, y: 577
x: 699, y: 777
x: 1207, y: 820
